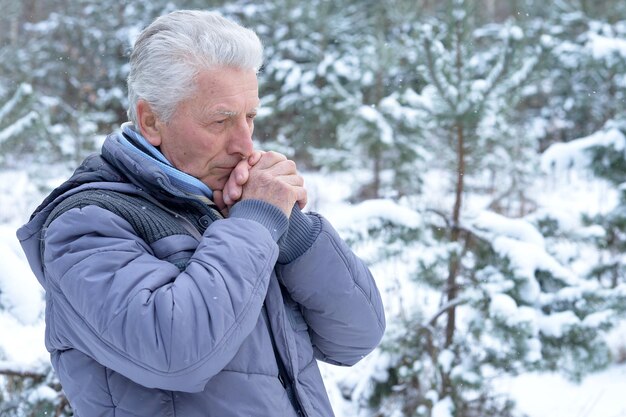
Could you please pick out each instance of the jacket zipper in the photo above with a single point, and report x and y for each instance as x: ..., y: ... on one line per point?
x: 283, y: 376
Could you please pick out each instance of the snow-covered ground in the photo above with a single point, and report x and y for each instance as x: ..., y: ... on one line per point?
x: 550, y: 395
x: 536, y: 394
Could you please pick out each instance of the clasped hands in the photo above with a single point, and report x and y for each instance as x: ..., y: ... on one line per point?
x: 266, y: 176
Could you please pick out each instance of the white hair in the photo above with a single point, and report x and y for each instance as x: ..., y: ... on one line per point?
x: 170, y: 52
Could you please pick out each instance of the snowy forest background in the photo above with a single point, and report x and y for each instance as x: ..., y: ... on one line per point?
x: 473, y: 152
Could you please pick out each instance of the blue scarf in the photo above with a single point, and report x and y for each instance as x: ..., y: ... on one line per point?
x: 182, y: 181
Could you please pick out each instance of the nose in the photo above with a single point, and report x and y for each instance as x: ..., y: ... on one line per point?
x: 240, y: 141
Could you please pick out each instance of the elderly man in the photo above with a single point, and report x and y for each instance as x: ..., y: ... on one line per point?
x: 181, y: 276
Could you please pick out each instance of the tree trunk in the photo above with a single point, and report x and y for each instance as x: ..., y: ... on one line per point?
x: 452, y: 289
x: 459, y: 135
x: 455, y: 258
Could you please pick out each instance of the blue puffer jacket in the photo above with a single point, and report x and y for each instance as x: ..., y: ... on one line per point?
x: 131, y: 334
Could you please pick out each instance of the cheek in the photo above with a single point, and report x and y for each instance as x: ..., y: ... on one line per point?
x: 197, y: 144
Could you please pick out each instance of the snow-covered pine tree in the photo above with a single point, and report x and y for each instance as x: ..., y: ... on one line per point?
x: 302, y: 48
x: 26, y: 132
x: 24, y: 393
x: 470, y: 75
x: 330, y: 66
x: 608, y: 161
x: 15, y: 116
x: 27, y: 140
x: 378, y: 133
x: 581, y: 87
x: 495, y: 299
x: 76, y: 61
x: 605, y: 45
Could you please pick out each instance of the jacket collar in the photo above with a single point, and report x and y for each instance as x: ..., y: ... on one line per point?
x: 145, y: 166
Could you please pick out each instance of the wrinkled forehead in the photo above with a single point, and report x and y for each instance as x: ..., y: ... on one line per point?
x: 226, y: 91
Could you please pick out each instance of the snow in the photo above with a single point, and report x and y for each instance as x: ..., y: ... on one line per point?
x: 598, y: 318
x: 384, y: 210
x: 443, y: 408
x: 561, y: 157
x: 9, y: 106
x: 17, y: 127
x: 292, y: 81
x: 370, y: 114
x: 556, y: 324
x: 445, y: 360
x: 15, y: 205
x: 526, y: 258
x: 503, y: 226
x: 42, y: 393
x: 516, y: 33
x: 603, y: 47
x: 549, y: 394
x: 503, y: 306
x: 21, y: 320
x: 21, y: 296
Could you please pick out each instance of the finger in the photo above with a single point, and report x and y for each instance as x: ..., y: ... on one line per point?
x: 269, y: 159
x: 282, y: 167
x: 255, y: 157
x: 233, y: 194
x: 228, y: 193
x: 292, y: 179
x: 240, y: 173
x: 238, y: 177
x: 302, y: 197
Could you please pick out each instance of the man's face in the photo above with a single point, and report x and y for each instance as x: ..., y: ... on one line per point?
x: 211, y: 131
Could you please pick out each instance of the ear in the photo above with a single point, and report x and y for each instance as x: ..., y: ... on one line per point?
x: 148, y: 123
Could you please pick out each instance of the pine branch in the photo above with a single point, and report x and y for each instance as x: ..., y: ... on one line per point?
x: 22, y: 374
x: 430, y: 60
x: 441, y: 214
x: 496, y: 75
x: 19, y: 126
x: 349, y: 98
x: 23, y: 91
x: 444, y: 308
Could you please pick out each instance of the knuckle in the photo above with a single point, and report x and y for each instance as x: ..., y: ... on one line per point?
x: 276, y: 155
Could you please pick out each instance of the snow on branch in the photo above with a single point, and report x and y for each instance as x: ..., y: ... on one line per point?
x: 603, y: 47
x: 434, y: 51
x: 8, y: 368
x: 375, y: 117
x: 445, y: 308
x: 560, y: 157
x: 23, y: 91
x: 19, y: 126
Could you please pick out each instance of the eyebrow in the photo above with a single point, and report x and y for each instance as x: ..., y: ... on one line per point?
x: 224, y: 113
x: 230, y: 113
